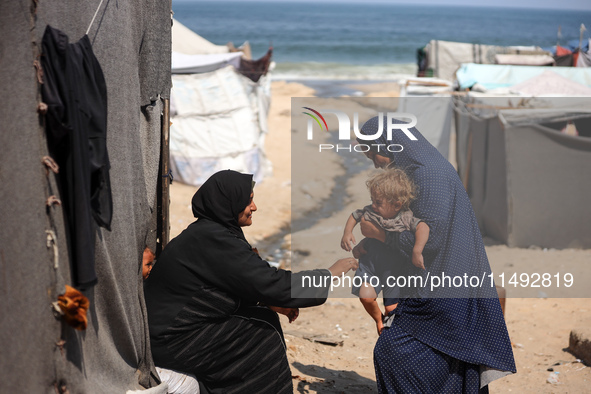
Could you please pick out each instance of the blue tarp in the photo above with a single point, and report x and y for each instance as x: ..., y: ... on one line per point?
x: 574, y: 44
x: 492, y: 76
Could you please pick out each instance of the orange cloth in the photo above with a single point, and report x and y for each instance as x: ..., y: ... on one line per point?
x: 561, y: 51
x: 74, y: 306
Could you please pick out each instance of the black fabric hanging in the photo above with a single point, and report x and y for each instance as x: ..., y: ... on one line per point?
x: 76, y: 126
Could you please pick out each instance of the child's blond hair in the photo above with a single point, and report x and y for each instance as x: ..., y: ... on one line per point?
x: 394, y: 185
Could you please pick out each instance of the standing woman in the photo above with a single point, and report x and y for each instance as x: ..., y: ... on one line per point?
x: 212, y: 301
x: 451, y: 339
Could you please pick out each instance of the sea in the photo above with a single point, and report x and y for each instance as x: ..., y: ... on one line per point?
x: 364, y: 41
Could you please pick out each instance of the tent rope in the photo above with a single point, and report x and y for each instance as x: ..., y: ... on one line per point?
x: 51, y: 242
x: 93, y: 18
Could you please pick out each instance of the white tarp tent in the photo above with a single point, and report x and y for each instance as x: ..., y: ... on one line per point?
x: 192, y: 64
x: 445, y: 57
x: 219, y: 116
x: 525, y: 60
x: 429, y: 99
x: 493, y: 76
x: 184, y: 40
x: 550, y: 81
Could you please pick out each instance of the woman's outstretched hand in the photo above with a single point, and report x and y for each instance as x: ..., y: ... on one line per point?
x: 371, y: 230
x: 343, y: 266
x: 291, y: 313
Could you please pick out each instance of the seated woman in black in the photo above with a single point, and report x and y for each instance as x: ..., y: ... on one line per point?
x: 212, y: 300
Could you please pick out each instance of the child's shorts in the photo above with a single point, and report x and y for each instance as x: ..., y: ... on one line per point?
x: 375, y: 268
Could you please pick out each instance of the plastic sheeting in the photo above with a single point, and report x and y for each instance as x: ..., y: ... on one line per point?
x: 190, y: 64
x: 551, y: 83
x: 186, y: 41
x: 584, y: 59
x: 525, y: 60
x: 527, y: 181
x: 429, y: 99
x: 219, y: 122
x: 445, y: 57
x: 492, y: 76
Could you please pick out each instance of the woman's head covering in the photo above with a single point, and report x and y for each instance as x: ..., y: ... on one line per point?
x: 413, y: 152
x: 222, y: 197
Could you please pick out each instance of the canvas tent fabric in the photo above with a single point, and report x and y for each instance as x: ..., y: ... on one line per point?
x: 526, y: 180
x: 445, y: 57
x: 186, y: 41
x: 493, y: 76
x: 525, y: 60
x: 191, y: 64
x: 429, y: 99
x: 219, y: 122
x: 218, y: 116
x: 112, y: 355
x: 584, y: 59
x: 549, y: 81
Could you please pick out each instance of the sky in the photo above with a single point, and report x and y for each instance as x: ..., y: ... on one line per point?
x: 552, y: 4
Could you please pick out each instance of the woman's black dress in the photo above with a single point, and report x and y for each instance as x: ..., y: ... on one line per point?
x: 204, y: 299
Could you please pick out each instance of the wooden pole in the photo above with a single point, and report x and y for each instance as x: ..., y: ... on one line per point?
x: 164, y: 181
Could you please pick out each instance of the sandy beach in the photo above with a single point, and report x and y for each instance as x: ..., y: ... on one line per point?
x: 330, y: 348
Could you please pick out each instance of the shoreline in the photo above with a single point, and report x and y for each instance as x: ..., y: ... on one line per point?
x: 325, y: 88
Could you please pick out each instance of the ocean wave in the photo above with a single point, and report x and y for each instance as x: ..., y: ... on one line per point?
x: 340, y: 71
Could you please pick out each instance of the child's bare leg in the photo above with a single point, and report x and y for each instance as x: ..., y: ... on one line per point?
x: 390, y: 308
x: 368, y: 297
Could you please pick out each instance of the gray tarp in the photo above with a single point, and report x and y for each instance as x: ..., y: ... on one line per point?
x: 131, y: 40
x: 429, y: 99
x: 445, y: 57
x: 529, y: 183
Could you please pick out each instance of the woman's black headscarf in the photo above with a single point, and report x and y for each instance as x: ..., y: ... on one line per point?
x: 222, y: 197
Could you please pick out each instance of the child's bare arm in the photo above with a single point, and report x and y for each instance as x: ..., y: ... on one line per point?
x: 348, y: 239
x: 421, y: 238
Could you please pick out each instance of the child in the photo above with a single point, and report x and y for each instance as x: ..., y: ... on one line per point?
x: 391, y: 194
x: 147, y: 262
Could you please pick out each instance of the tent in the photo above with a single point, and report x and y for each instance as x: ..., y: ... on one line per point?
x: 40, y: 353
x: 492, y: 76
x: 429, y: 99
x: 443, y: 58
x: 584, y: 58
x: 527, y: 179
x: 525, y: 60
x: 219, y: 115
x: 186, y: 41
x: 549, y: 81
